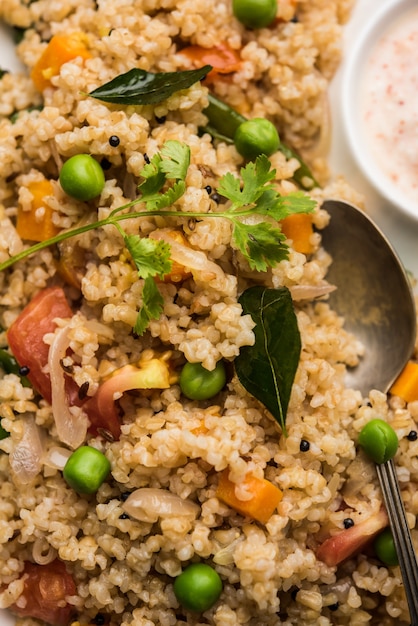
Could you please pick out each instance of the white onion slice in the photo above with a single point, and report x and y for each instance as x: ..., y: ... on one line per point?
x: 71, y: 422
x: 310, y: 292
x: 26, y: 459
x: 148, y: 504
x: 57, y: 457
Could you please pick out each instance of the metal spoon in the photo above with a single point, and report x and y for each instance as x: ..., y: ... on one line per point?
x: 375, y: 298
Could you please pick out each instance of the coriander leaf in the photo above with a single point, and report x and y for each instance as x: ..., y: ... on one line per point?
x: 151, y: 257
x: 176, y: 159
x: 164, y: 199
x: 154, y: 177
x: 255, y: 176
x: 152, y: 306
x: 261, y: 244
x: 278, y: 207
x: 267, y: 369
x: 138, y: 86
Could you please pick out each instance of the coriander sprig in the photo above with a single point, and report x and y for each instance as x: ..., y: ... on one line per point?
x: 260, y: 240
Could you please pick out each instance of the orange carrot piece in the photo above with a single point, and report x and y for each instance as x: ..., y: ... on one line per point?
x: 60, y: 50
x: 263, y: 503
x: 224, y: 59
x: 299, y: 228
x: 406, y: 385
x: 33, y: 224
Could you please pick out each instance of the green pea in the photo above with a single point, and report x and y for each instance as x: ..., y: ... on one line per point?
x: 82, y: 177
x: 198, y: 587
x: 379, y: 440
x: 255, y: 13
x: 384, y: 547
x: 86, y: 469
x: 198, y: 383
x: 256, y: 136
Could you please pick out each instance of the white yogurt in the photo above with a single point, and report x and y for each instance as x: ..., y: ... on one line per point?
x: 390, y: 104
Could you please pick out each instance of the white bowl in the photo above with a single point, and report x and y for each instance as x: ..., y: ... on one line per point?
x: 385, y: 161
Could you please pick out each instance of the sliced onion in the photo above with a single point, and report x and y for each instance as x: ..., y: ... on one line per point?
x: 42, y: 552
x: 148, y: 504
x: 71, y: 422
x: 225, y: 556
x: 310, y: 292
x: 195, y: 260
x: 57, y: 457
x: 26, y: 458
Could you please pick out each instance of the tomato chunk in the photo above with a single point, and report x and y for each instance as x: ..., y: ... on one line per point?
x: 347, y: 543
x: 44, y: 597
x: 25, y: 336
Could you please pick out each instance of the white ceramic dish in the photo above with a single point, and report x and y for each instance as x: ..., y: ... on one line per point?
x: 402, y: 232
x: 374, y: 159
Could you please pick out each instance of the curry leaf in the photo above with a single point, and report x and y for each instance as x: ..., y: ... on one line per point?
x: 267, y: 369
x: 138, y: 86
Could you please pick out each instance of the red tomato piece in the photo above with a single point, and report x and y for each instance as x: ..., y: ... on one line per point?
x: 25, y: 336
x: 103, y: 420
x: 46, y: 588
x: 347, y: 543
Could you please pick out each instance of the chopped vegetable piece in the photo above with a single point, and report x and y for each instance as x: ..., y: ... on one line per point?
x: 9, y: 364
x: 384, y: 546
x: 60, y: 50
x: 255, y: 13
x: 36, y: 224
x: 299, y: 228
x: 3, y: 433
x: 45, y: 592
x: 223, y: 59
x: 223, y: 119
x: 149, y: 373
x: 347, y: 543
x: 198, y: 587
x: 262, y: 504
x: 256, y: 136
x: 25, y: 336
x: 379, y: 440
x: 198, y: 383
x: 82, y: 177
x: 86, y: 469
x: 406, y: 385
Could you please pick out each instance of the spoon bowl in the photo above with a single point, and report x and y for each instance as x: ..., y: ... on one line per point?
x: 374, y: 295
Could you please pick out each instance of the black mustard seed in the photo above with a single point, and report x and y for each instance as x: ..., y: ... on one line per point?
x: 114, y: 141
x: 304, y: 445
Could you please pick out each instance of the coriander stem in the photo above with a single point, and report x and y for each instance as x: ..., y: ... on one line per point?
x: 113, y: 218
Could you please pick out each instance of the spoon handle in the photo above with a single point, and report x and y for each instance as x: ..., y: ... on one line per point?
x: 401, y: 535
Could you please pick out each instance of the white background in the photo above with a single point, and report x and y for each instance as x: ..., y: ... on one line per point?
x: 400, y: 230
